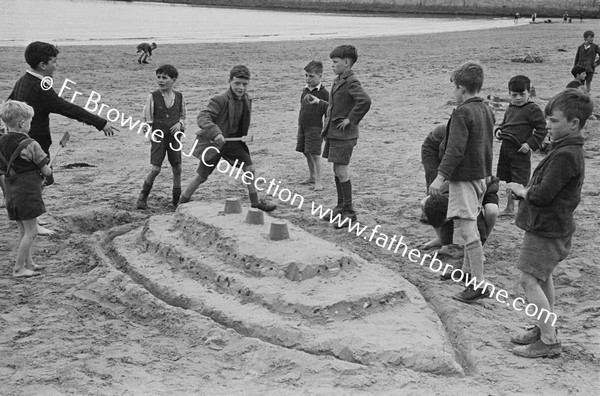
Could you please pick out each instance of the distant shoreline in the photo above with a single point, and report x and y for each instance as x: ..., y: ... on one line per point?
x: 496, y: 8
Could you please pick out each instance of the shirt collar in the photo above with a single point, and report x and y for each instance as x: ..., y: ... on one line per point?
x: 35, y: 74
x: 317, y: 88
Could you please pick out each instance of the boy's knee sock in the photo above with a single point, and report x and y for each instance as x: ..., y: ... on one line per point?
x: 253, y: 198
x: 340, y: 194
x: 347, y: 195
x: 176, y: 195
x: 145, y: 190
x: 474, y: 255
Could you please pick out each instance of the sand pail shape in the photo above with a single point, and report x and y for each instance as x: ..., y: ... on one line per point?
x: 279, y: 230
x: 232, y: 205
x: 255, y: 216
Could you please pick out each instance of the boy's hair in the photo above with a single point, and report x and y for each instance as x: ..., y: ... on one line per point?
x: 39, y: 51
x: 12, y: 112
x: 435, y: 208
x: 239, y: 71
x: 469, y: 75
x: 577, y: 70
x: 153, y: 45
x: 314, y: 67
x: 345, y: 51
x: 519, y: 84
x: 573, y: 103
x: 588, y: 33
x: 168, y: 70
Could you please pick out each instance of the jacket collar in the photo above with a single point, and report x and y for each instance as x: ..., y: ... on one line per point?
x: 570, y: 140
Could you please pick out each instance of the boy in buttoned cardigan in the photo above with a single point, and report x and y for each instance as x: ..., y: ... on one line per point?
x: 348, y: 103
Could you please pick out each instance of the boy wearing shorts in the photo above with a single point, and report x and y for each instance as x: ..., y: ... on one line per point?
x: 546, y: 214
x: 23, y: 162
x: 467, y: 164
x: 310, y: 123
x: 522, y: 131
x: 226, y: 116
x: 347, y: 105
x: 165, y: 112
x: 586, y: 57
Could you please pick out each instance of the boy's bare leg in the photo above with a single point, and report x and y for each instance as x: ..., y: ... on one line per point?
x: 3, y: 188
x: 27, y: 234
x: 191, y: 188
x: 43, y: 231
x: 548, y: 288
x: 316, y: 163
x: 536, y: 295
x: 490, y: 214
x: 510, y: 204
x: 436, y: 242
x: 311, y: 169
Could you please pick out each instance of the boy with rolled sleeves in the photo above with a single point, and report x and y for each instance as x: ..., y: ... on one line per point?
x: 522, y: 131
x: 226, y: 116
x: 467, y: 164
x: 586, y: 57
x: 165, y: 112
x: 310, y: 123
x: 347, y: 105
x: 25, y: 164
x: 546, y: 214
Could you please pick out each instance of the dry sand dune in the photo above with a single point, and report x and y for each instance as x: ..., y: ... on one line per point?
x: 85, y: 327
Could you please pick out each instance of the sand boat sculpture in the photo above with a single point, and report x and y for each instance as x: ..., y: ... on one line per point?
x: 301, y: 292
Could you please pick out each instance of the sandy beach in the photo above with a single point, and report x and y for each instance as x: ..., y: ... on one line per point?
x: 86, y: 327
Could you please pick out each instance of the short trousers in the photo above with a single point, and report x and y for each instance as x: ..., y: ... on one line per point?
x: 230, y: 152
x: 539, y: 256
x: 309, y: 140
x: 465, y: 199
x: 162, y: 148
x: 339, y: 151
x: 24, y: 196
x: 513, y: 166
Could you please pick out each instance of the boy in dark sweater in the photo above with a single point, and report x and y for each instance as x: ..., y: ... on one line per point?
x: 586, y: 57
x: 146, y: 50
x: 546, y: 215
x: 310, y: 123
x: 347, y: 105
x: 522, y: 131
x: 165, y: 111
x: 467, y: 164
x: 35, y: 89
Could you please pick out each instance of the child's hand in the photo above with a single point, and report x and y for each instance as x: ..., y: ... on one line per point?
x: 525, y: 148
x: 343, y: 124
x: 517, y: 189
x: 311, y: 99
x: 176, y: 128
x: 220, y: 139
x: 109, y: 130
x: 435, y: 188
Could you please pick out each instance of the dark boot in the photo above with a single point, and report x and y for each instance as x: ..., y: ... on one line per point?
x: 141, y: 202
x: 340, y: 202
x: 347, y: 213
x: 183, y: 200
x: 176, y: 195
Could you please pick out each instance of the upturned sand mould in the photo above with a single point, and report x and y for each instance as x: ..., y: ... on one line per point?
x: 302, y: 293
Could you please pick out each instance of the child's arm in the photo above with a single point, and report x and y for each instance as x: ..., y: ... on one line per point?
x: 180, y: 126
x: 207, y: 117
x: 362, y: 102
x: 455, y: 146
x: 560, y: 171
x: 537, y: 121
x: 34, y: 153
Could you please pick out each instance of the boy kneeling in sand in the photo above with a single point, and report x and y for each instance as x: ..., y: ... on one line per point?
x: 21, y: 160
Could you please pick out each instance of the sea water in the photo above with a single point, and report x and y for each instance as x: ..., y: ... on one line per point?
x: 99, y: 22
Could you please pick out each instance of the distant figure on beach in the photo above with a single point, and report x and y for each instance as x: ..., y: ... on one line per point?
x: 517, y: 16
x: 533, y: 16
x: 310, y: 123
x: 586, y: 57
x: 346, y: 106
x: 565, y: 16
x: 578, y: 73
x: 146, y: 50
